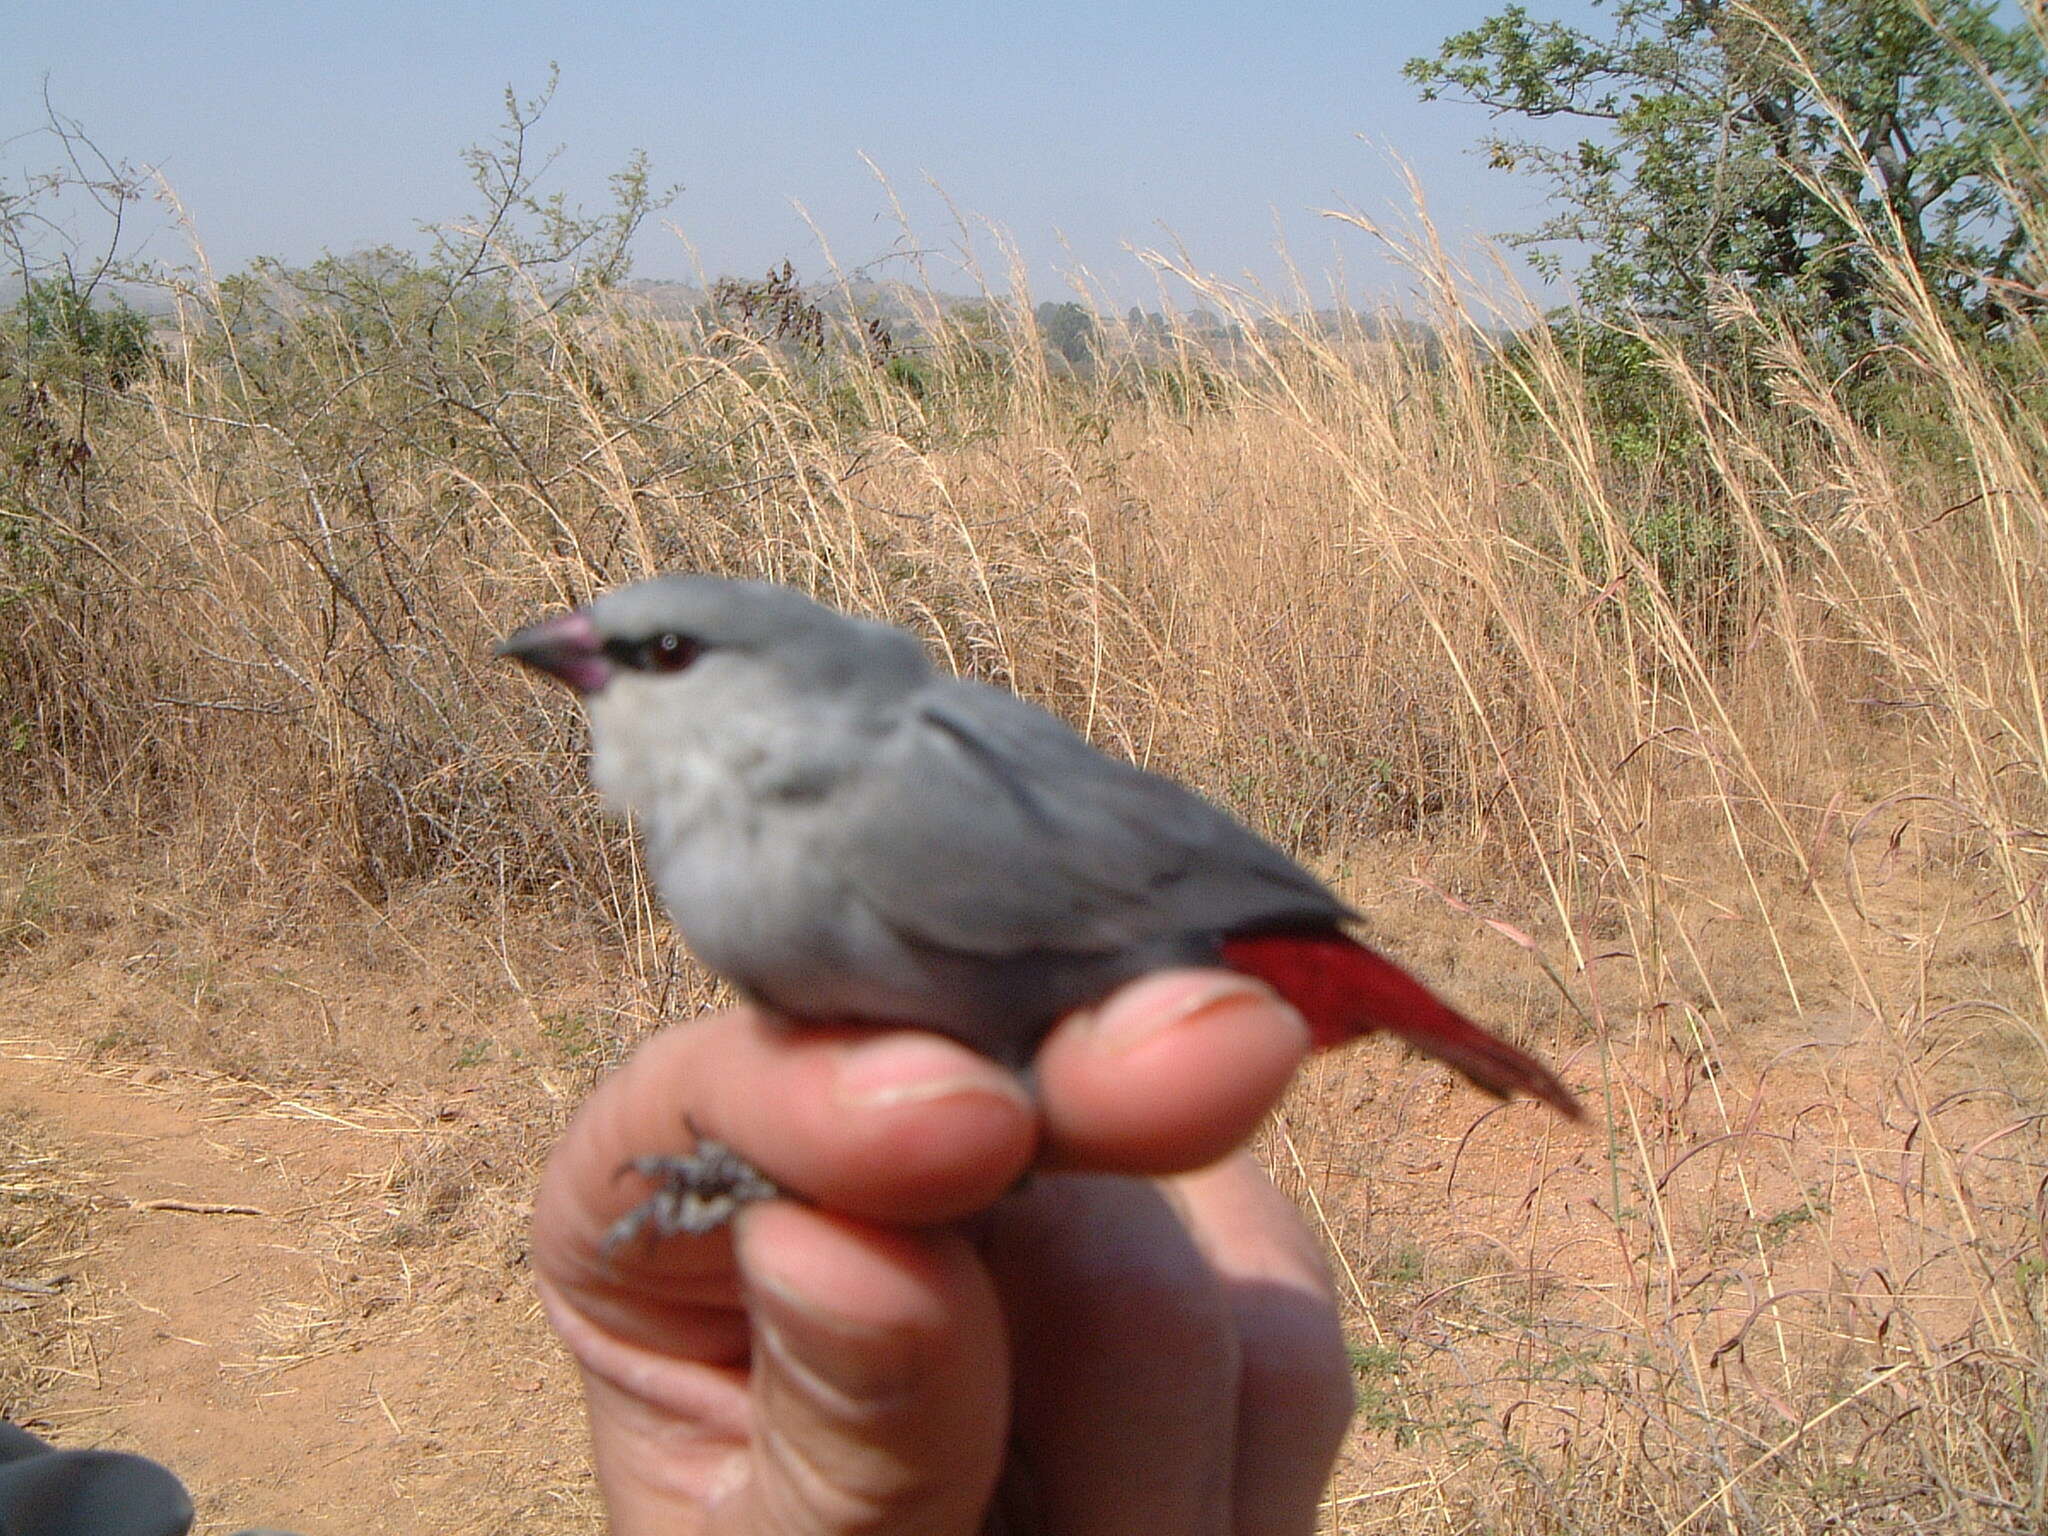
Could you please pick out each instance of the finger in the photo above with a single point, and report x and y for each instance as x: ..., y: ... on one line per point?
x: 1295, y: 1394
x: 1168, y: 1074
x: 1126, y: 1358
x: 668, y: 1432
x: 880, y: 1380
x: 678, y: 1300
x: 895, y: 1126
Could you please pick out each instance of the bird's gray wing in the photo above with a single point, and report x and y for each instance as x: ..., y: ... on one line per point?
x: 989, y: 827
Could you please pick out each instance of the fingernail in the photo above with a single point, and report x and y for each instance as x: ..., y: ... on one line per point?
x: 1149, y: 1008
x: 910, y: 1068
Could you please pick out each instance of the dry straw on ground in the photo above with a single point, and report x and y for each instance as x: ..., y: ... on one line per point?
x: 1717, y: 775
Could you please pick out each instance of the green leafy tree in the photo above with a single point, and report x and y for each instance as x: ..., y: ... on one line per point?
x: 1764, y: 143
x: 68, y: 344
x: 59, y: 325
x: 1069, y: 332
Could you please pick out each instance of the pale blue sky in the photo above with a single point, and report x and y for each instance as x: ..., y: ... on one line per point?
x: 289, y: 129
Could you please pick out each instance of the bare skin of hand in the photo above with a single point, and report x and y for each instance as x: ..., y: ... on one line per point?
x: 1142, y: 1334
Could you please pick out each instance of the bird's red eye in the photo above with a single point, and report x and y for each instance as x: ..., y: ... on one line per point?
x: 669, y: 652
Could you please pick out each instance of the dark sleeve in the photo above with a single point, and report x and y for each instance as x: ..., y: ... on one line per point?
x: 48, y: 1492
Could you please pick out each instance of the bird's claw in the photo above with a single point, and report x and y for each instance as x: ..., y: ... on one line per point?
x: 695, y: 1192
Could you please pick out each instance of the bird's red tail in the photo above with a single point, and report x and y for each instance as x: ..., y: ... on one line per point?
x: 1344, y: 990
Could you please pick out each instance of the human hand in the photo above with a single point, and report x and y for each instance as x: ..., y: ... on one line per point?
x: 1152, y: 1349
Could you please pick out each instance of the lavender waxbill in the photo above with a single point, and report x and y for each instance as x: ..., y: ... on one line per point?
x: 848, y: 835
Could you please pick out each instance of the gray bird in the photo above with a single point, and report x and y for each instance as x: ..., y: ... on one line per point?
x: 847, y: 834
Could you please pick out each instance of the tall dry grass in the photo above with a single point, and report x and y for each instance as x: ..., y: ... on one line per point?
x: 1720, y: 772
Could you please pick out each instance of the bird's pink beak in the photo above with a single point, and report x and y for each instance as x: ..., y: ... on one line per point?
x: 564, y: 647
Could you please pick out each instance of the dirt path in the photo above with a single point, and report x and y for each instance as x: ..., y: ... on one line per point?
x: 293, y: 1347
x: 1768, y: 1207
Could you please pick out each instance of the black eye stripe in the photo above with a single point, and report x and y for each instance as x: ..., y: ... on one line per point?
x: 665, y: 652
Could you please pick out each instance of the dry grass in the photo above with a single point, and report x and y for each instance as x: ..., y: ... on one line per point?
x: 45, y: 1316
x: 1718, y: 774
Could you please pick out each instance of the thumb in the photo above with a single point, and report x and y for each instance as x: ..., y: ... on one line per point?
x: 880, y: 1379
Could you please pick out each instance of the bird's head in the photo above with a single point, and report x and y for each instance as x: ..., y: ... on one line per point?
x: 683, y: 673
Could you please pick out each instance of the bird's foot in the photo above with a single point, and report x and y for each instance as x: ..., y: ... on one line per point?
x: 695, y: 1192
